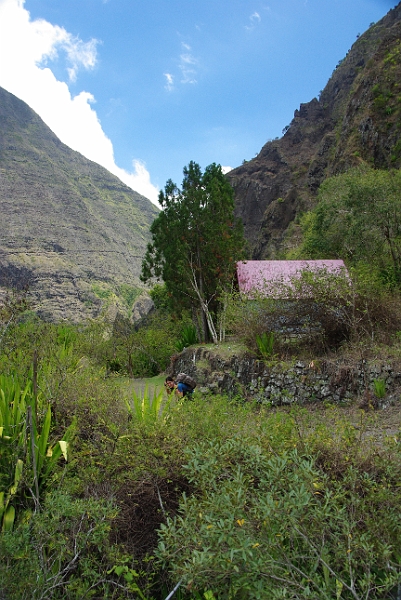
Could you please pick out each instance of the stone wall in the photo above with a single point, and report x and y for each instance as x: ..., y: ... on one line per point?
x: 285, y: 383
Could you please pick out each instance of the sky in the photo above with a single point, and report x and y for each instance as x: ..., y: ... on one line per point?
x: 145, y: 86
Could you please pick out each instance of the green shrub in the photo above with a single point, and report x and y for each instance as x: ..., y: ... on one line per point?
x: 62, y: 552
x: 275, y: 525
x: 146, y: 409
x: 318, y: 311
x: 146, y: 351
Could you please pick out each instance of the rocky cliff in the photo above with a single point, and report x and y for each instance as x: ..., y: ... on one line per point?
x: 356, y: 118
x: 70, y: 230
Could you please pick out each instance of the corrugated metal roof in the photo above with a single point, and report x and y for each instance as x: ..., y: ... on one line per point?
x: 262, y: 276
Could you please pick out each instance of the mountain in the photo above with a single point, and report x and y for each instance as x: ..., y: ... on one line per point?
x: 71, y: 231
x: 357, y: 118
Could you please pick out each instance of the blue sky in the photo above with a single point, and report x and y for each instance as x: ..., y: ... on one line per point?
x: 145, y: 86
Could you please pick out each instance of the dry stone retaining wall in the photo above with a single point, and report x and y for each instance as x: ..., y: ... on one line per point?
x: 285, y: 383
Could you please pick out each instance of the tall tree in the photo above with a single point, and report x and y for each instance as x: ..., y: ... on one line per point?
x: 196, y: 242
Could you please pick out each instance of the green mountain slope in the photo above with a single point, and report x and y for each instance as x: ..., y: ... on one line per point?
x: 70, y: 229
x: 356, y: 118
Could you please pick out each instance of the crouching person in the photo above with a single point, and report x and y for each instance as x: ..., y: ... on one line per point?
x: 183, y: 385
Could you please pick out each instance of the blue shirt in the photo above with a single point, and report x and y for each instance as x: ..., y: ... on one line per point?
x: 183, y: 388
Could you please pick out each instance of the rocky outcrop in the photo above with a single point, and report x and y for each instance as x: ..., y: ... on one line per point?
x: 355, y: 119
x: 290, y: 382
x: 71, y: 231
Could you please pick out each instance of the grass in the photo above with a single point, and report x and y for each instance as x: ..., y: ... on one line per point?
x: 152, y: 384
x: 225, y: 349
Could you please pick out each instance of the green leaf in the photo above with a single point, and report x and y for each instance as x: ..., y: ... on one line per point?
x: 63, y: 446
x: 339, y: 589
x: 42, y: 442
x: 8, y: 519
x: 17, y: 476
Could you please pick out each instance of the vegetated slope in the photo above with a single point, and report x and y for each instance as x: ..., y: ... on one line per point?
x: 70, y: 229
x: 356, y: 118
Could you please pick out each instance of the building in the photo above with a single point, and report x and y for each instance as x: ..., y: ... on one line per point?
x: 273, y: 277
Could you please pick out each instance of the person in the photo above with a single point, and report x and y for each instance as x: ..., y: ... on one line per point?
x: 181, y: 389
x: 170, y: 385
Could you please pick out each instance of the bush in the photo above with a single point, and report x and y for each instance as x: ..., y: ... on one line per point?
x: 318, y: 311
x: 61, y: 552
x: 265, y: 524
x: 143, y: 351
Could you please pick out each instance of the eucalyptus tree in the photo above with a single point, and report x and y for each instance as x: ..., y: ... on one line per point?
x: 196, y: 242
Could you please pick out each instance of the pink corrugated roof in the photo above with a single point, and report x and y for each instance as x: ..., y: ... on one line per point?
x: 262, y: 275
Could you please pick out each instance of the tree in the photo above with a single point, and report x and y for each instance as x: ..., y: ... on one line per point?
x: 358, y: 218
x: 196, y: 242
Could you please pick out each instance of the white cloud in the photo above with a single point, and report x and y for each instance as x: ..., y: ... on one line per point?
x: 226, y: 169
x: 139, y: 180
x: 169, y: 86
x: 187, y: 65
x: 29, y: 47
x: 254, y: 19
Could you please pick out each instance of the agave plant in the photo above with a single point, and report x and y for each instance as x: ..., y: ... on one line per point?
x: 27, y: 457
x: 265, y: 343
x: 379, y: 388
x: 147, y: 409
x: 189, y: 337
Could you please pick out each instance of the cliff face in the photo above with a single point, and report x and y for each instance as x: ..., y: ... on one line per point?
x: 70, y: 230
x: 357, y: 118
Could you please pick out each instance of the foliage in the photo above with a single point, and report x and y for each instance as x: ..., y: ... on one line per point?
x: 60, y: 552
x: 196, y: 242
x: 27, y: 457
x: 318, y: 310
x: 129, y: 294
x: 379, y: 388
x: 265, y: 343
x: 358, y: 219
x: 13, y: 304
x: 147, y: 409
x: 251, y: 474
x: 273, y: 525
x: 143, y: 351
x: 188, y: 337
x: 160, y: 296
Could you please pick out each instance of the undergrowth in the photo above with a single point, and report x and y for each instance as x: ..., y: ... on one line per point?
x: 217, y: 497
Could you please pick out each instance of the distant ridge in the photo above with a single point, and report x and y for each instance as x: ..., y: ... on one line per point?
x: 69, y: 228
x: 356, y: 119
